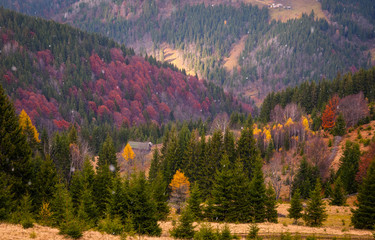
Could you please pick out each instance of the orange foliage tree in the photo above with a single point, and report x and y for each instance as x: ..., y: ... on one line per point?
x: 329, y: 114
x: 180, y: 190
x: 128, y: 153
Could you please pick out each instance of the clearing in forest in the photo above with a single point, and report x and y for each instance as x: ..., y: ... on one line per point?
x: 232, y: 61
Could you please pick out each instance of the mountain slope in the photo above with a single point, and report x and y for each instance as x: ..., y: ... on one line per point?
x: 61, y: 75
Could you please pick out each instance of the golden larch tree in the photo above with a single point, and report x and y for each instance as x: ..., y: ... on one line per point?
x: 128, y: 153
x: 329, y: 113
x: 28, y: 128
x: 180, y: 190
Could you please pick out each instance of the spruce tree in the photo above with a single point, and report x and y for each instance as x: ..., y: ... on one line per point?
x: 258, y: 193
x: 6, y: 195
x: 222, y: 190
x: 194, y: 202
x: 364, y: 216
x: 160, y: 196
x: 240, y: 208
x: 271, y: 205
x: 193, y: 164
x: 15, y: 153
x: 155, y: 165
x: 338, y: 194
x: 295, y: 210
x: 143, y: 209
x: 247, y: 149
x: 184, y: 228
x: 103, y: 182
x: 349, y: 165
x: 60, y: 154
x: 229, y: 145
x: 107, y: 154
x: 315, y: 212
x: 340, y: 126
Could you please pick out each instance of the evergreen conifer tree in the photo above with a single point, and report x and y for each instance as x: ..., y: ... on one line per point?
x: 143, y: 208
x: 107, y: 154
x: 295, y: 210
x: 222, y: 190
x: 194, y: 202
x: 15, y: 153
x: 271, y: 212
x: 155, y: 165
x: 247, y: 149
x: 364, y: 216
x: 160, y: 196
x: 6, y: 195
x: 258, y: 193
x: 340, y: 126
x: 338, y: 194
x: 103, y: 182
x: 315, y: 212
x: 229, y: 145
x: 349, y: 165
x: 184, y: 228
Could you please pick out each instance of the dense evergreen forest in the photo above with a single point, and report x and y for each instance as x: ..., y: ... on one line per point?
x: 206, y: 33
x: 61, y: 76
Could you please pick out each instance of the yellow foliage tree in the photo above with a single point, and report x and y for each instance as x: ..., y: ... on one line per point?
x: 305, y: 123
x: 180, y: 189
x: 28, y: 128
x: 267, y: 134
x: 289, y: 122
x: 128, y: 153
x: 256, y: 130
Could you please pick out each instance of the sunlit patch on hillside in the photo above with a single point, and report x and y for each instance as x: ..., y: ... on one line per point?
x: 175, y: 57
x: 232, y: 61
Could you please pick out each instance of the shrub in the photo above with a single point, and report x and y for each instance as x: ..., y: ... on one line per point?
x: 111, y: 226
x: 32, y: 235
x: 205, y: 233
x: 71, y: 228
x: 253, y: 232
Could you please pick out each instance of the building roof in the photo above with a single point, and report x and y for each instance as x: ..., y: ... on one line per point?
x: 144, y: 146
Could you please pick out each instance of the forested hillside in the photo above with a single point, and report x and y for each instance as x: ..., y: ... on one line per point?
x: 275, y: 55
x: 61, y: 76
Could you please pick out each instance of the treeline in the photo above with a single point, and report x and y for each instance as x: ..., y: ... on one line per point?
x: 312, y: 96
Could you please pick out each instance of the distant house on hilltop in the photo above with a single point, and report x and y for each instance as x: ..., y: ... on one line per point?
x: 143, y: 147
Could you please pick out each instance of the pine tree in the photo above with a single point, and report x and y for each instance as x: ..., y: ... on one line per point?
x: 247, y: 149
x: 193, y: 163
x: 103, y: 182
x: 338, y: 194
x: 194, y: 202
x: 349, y: 165
x: 6, y: 195
x: 229, y: 145
x: 364, y: 216
x: 184, y: 228
x: 143, y: 209
x: 60, y: 154
x: 107, y: 154
x: 45, y: 181
x: 155, y: 165
x: 295, y: 210
x: 258, y: 193
x: 60, y: 203
x: 222, y: 191
x: 315, y: 212
x: 160, y: 196
x: 15, y: 152
x: 271, y: 211
x: 340, y: 126
x: 305, y: 178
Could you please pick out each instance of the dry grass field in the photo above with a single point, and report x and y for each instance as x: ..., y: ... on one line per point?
x: 337, y: 225
x: 232, y: 61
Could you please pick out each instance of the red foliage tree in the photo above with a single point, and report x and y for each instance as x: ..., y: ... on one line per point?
x: 329, y: 113
x: 365, y: 162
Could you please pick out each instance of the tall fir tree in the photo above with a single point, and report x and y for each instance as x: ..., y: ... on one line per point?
x: 155, y: 165
x: 160, y: 196
x: 222, y: 191
x: 340, y: 126
x: 338, y: 197
x: 258, y: 193
x: 103, y: 182
x: 143, y: 209
x: 271, y: 205
x: 349, y: 165
x: 60, y: 154
x: 15, y: 153
x: 364, y: 216
x: 184, y: 228
x: 295, y: 210
x: 305, y: 178
x: 194, y: 202
x: 229, y: 145
x: 193, y: 163
x: 247, y: 149
x: 107, y: 154
x: 315, y: 212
